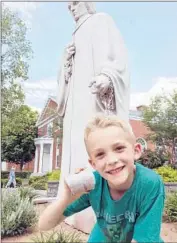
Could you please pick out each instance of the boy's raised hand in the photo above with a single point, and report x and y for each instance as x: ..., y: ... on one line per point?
x: 65, y: 192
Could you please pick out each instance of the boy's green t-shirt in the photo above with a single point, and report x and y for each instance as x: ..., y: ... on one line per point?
x: 137, y: 215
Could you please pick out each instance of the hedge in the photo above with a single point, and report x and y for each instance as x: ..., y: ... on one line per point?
x: 167, y: 173
x: 54, y: 175
x: 4, y: 182
x: 40, y: 182
x: 22, y: 175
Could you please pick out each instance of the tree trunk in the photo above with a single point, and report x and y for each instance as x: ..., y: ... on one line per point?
x: 21, y: 165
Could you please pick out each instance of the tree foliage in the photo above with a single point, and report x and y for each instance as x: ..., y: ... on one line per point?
x: 13, y: 98
x: 161, y: 119
x: 16, y: 49
x: 18, y: 141
x: 16, y: 52
x: 153, y: 159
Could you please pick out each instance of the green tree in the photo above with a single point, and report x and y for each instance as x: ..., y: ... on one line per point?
x: 16, y: 49
x: 18, y: 143
x: 161, y: 119
x: 16, y: 53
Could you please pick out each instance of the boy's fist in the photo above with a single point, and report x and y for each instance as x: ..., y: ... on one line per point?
x: 65, y: 191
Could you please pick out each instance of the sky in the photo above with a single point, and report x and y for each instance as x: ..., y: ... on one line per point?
x: 149, y: 30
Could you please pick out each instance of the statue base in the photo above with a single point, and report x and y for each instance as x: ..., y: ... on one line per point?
x: 83, y: 221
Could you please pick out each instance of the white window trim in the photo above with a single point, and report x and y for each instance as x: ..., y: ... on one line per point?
x: 145, y: 146
x: 57, y: 154
x: 50, y: 125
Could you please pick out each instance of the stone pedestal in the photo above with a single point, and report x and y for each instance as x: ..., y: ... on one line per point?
x: 170, y: 186
x: 52, y: 190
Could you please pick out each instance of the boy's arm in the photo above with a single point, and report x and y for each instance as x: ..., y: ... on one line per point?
x: 52, y: 215
x: 65, y: 205
x: 148, y: 224
x: 78, y: 205
x: 59, y: 210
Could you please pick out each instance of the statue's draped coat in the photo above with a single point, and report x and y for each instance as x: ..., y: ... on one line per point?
x: 99, y: 49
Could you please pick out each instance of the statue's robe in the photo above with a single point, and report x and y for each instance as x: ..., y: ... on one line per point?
x: 99, y: 49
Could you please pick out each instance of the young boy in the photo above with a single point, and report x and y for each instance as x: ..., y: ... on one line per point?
x: 128, y: 199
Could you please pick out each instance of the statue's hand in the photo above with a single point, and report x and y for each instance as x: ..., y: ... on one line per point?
x: 70, y: 50
x: 100, y: 84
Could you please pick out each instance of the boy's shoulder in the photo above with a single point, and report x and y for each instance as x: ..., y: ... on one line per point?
x: 98, y: 177
x: 148, y: 179
x: 146, y: 173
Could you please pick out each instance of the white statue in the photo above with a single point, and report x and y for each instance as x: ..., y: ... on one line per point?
x: 94, y: 77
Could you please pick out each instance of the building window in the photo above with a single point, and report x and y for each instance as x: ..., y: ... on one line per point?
x: 58, y: 140
x: 50, y: 129
x: 57, y: 158
x: 143, y: 143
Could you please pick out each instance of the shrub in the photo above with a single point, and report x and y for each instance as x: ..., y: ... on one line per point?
x: 22, y: 175
x: 174, y: 166
x: 4, y: 182
x: 27, y: 192
x: 4, y: 174
x: 167, y: 173
x: 152, y: 159
x: 40, y: 185
x: 34, y: 179
x: 58, y: 237
x: 171, y: 207
x: 38, y: 182
x: 54, y: 175
x: 18, y: 212
x: 18, y: 181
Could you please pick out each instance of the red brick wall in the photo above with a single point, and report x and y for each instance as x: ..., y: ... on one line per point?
x: 51, y: 106
x: 27, y: 167
x: 54, y: 153
x: 42, y: 131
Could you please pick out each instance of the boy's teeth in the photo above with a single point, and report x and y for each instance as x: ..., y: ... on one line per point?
x: 115, y: 171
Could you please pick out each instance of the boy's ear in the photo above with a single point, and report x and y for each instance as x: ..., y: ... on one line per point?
x: 138, y: 151
x: 91, y: 163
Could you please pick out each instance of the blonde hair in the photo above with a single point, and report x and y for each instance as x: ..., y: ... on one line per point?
x: 104, y: 121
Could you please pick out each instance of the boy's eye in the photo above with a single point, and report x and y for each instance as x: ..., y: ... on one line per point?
x: 120, y: 148
x: 99, y: 155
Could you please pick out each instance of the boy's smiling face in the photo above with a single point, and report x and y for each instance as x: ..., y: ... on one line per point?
x: 112, y: 153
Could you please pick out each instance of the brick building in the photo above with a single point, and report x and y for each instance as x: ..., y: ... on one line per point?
x: 48, y: 149
x: 26, y: 167
x: 48, y: 143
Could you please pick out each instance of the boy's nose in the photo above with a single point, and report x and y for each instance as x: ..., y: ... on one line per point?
x: 112, y: 160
